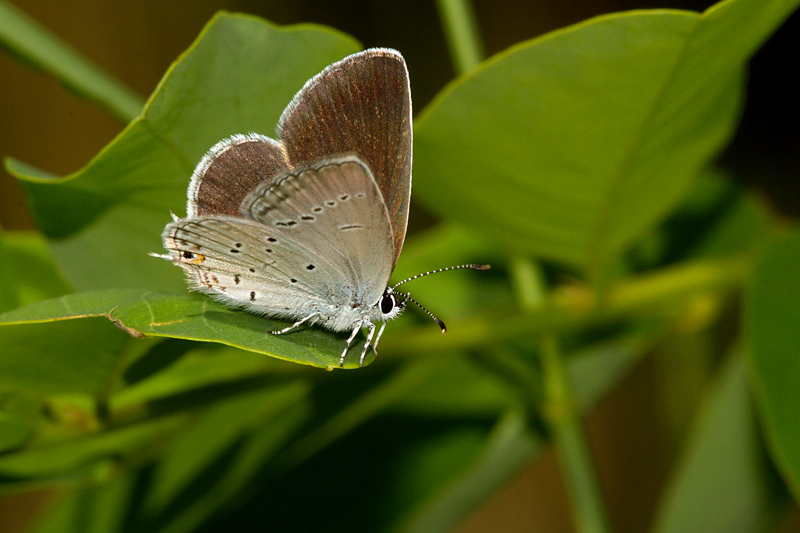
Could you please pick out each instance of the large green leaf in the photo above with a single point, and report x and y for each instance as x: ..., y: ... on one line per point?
x: 49, y: 358
x: 144, y: 313
x: 33, y: 274
x: 60, y: 357
x: 236, y: 78
x: 194, y: 316
x: 773, y: 319
x: 572, y: 145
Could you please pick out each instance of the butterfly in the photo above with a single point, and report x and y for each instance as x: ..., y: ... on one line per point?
x: 308, y: 227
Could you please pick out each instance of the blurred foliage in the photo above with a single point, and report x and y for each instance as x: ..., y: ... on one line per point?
x: 590, y: 149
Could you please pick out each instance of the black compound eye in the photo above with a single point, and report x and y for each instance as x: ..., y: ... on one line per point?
x: 387, y: 303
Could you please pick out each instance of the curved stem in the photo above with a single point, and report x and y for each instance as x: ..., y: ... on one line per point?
x: 461, y: 32
x: 569, y: 437
x: 661, y: 293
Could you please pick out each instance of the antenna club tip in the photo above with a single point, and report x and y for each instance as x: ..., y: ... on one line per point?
x: 483, y: 267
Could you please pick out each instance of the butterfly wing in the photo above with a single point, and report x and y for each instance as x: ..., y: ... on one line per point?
x: 335, y: 212
x: 230, y: 170
x: 360, y: 105
x: 225, y: 257
x: 313, y: 241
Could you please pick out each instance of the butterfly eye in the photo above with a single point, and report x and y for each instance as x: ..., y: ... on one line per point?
x: 388, y: 303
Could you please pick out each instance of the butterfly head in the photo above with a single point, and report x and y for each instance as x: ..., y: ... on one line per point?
x: 391, y: 304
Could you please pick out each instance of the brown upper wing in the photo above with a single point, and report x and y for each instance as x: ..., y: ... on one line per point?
x: 359, y: 105
x: 230, y: 170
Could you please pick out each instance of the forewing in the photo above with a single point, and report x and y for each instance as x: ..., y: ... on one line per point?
x: 359, y: 105
x: 230, y: 170
x: 330, y: 220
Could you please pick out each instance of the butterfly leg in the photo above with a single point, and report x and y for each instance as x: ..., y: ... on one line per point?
x: 371, y: 327
x: 380, y: 332
x: 349, y: 340
x: 295, y: 325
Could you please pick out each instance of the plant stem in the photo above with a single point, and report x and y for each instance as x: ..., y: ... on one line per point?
x: 569, y: 437
x: 461, y: 32
x: 560, y: 409
x: 657, y: 294
x: 528, y: 280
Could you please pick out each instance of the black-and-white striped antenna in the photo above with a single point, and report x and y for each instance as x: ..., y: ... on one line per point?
x: 471, y: 266
x: 408, y: 296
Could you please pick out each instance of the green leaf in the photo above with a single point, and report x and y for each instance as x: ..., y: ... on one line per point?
x: 173, y: 368
x: 36, y: 45
x: 236, y: 78
x: 717, y: 219
x: 33, y: 275
x: 740, y: 220
x: 434, y: 488
x: 90, y: 452
x: 59, y: 357
x: 218, y: 428
x: 507, y: 449
x: 95, y: 509
x: 773, y: 318
x: 457, y: 387
x: 144, y: 313
x: 17, y: 420
x: 722, y: 482
x: 238, y: 472
x: 572, y: 145
x: 8, y: 293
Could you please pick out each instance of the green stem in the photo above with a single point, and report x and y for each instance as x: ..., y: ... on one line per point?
x: 569, y: 437
x: 659, y: 294
x: 461, y: 32
x: 528, y: 281
x: 37, y: 46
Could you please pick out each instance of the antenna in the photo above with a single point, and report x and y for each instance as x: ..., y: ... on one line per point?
x: 472, y: 266
x: 408, y: 296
